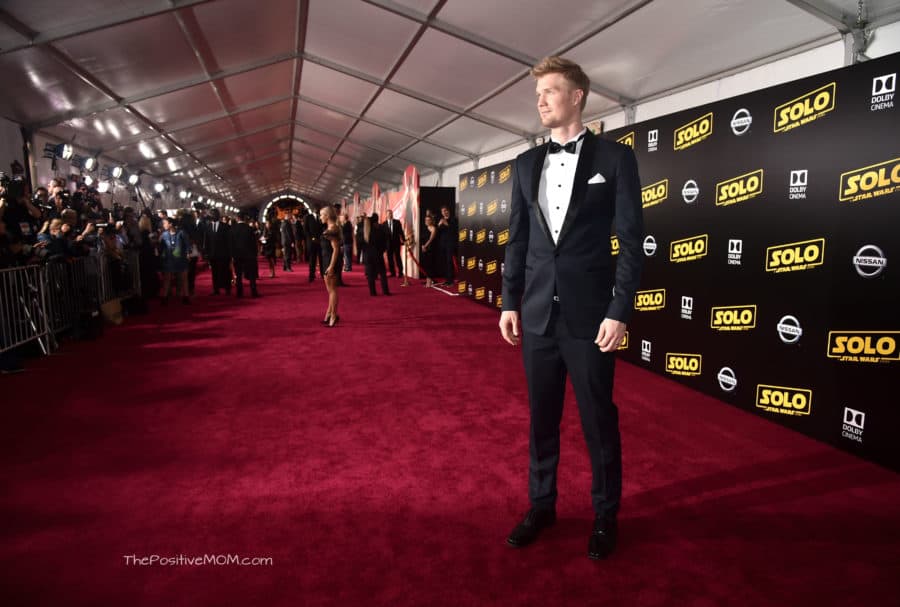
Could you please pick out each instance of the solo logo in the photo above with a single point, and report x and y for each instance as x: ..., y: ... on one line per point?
x: 470, y: 264
x: 627, y: 139
x: 505, y: 173
x: 614, y: 245
x: 463, y: 184
x: 482, y: 179
x: 688, y: 249
x: 623, y: 345
x: 733, y: 318
x: 655, y: 193
x: 462, y: 235
x: 461, y: 287
x: 871, y: 181
x: 864, y: 346
x: 491, y: 267
x: 481, y: 236
x: 503, y: 237
x: 651, y: 299
x: 683, y: 364
x: 480, y: 293
x: 694, y: 132
x: 805, y: 108
x: 784, y: 400
x: 795, y: 256
x: 499, y: 301
x: 492, y: 207
x: 472, y: 209
x: 740, y: 188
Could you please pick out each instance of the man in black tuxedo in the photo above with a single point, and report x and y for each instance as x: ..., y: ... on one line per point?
x: 312, y: 227
x: 218, y: 252
x: 244, y: 250
x: 394, y: 244
x: 559, y: 276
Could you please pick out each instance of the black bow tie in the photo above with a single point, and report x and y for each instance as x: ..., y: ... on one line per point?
x: 555, y: 148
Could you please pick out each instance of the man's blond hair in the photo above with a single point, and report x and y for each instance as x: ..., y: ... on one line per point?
x: 570, y: 70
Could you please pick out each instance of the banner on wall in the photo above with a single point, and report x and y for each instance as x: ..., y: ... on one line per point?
x: 769, y: 222
x: 483, y: 215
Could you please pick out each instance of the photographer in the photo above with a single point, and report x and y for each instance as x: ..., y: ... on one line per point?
x: 16, y: 211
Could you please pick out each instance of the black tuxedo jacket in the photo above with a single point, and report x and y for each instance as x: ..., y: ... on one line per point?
x: 396, y: 238
x: 579, y: 267
x: 217, y: 244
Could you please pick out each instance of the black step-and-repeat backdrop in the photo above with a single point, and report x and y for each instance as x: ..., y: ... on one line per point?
x: 770, y: 220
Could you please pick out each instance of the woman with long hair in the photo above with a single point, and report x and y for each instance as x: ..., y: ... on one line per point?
x: 331, y: 252
x: 429, y: 250
x: 269, y: 240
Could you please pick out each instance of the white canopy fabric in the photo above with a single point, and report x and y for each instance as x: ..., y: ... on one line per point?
x: 247, y: 99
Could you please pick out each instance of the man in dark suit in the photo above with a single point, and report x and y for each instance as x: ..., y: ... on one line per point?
x: 243, y: 249
x: 287, y: 242
x: 217, y: 251
x: 395, y: 244
x: 312, y: 227
x: 559, y: 275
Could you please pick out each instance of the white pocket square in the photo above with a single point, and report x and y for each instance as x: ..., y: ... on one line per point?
x: 598, y: 178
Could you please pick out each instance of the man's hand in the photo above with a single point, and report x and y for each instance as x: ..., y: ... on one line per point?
x: 610, y: 335
x: 509, y: 327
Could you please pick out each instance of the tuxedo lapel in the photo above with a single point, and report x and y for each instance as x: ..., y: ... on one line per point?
x: 579, y: 188
x: 537, y: 168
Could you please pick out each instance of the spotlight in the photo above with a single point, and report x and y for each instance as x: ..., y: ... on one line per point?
x: 159, y: 187
x: 88, y: 180
x: 64, y: 151
x: 103, y: 187
x: 134, y: 179
x: 199, y: 198
x: 117, y: 172
x: 182, y: 194
x: 90, y: 163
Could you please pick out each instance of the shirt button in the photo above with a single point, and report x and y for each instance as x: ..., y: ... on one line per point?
x: 559, y: 186
x: 557, y: 208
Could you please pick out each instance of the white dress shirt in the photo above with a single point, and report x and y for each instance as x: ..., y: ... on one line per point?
x: 555, y: 190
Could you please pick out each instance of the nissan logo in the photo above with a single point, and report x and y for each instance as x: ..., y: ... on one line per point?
x: 869, y: 261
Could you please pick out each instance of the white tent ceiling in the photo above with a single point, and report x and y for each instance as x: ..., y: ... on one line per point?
x: 249, y: 99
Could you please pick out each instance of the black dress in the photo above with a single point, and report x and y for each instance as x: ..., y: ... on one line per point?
x: 328, y: 247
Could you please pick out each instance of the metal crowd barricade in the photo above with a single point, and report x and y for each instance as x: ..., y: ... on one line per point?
x: 40, y: 302
x: 72, y: 286
x: 23, y: 308
x: 119, y: 278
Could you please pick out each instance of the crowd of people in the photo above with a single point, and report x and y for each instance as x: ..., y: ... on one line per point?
x: 56, y: 225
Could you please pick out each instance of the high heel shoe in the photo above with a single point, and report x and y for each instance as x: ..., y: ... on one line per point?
x: 326, y: 321
x: 335, y: 320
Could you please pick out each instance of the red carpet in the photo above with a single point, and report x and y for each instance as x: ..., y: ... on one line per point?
x: 383, y: 463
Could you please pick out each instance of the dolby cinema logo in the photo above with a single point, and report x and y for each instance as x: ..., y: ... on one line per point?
x: 689, y: 191
x: 687, y: 307
x: 741, y: 121
x: 883, y: 91
x: 854, y: 424
x: 869, y: 261
x: 491, y: 237
x: 646, y: 349
x: 727, y: 379
x: 653, y: 140
x: 735, y: 250
x: 789, y: 330
x: 797, y: 187
x: 649, y: 246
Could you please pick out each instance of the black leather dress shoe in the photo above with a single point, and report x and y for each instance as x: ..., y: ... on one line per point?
x: 535, y: 521
x: 602, y: 542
